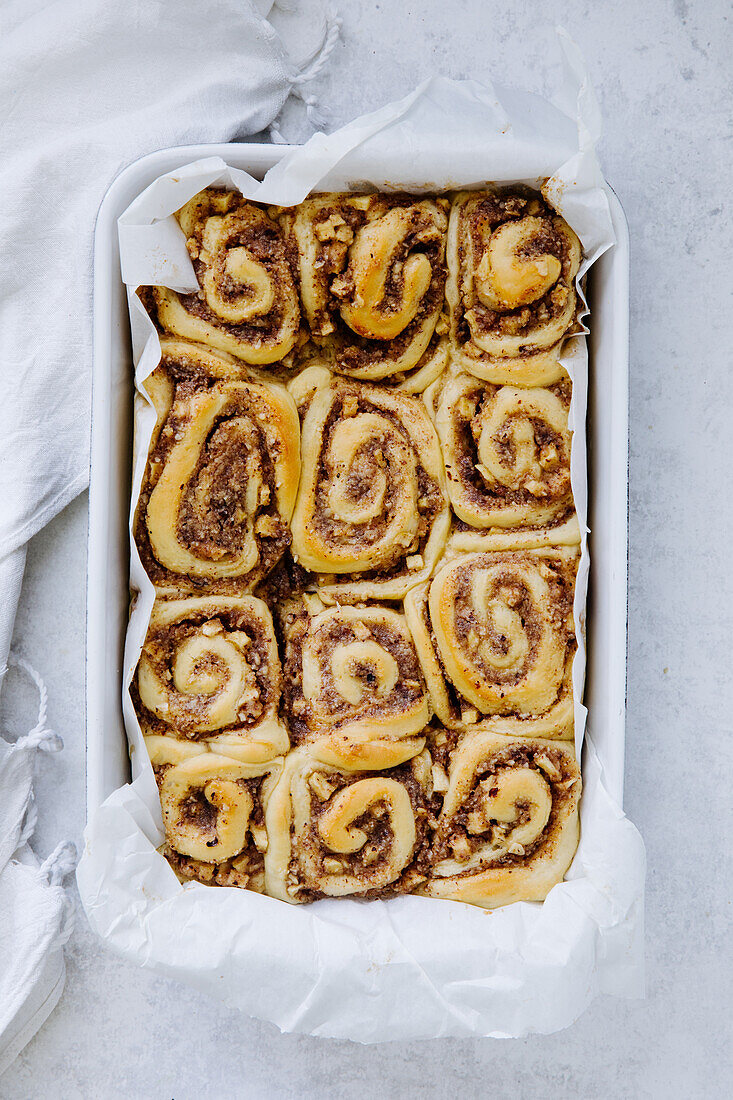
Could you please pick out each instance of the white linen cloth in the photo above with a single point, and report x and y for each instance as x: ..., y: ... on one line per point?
x: 87, y: 87
x: 35, y: 913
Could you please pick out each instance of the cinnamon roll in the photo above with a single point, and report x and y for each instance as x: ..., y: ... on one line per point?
x: 512, y: 264
x: 371, y: 517
x: 213, y: 815
x: 209, y: 673
x: 372, y: 274
x: 495, y: 637
x: 334, y: 833
x: 353, y: 684
x: 508, y: 829
x: 220, y: 485
x: 507, y: 457
x: 247, y: 302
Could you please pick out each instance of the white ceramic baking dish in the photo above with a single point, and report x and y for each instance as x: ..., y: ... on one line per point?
x: 110, y: 472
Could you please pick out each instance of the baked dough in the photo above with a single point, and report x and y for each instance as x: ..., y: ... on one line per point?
x: 354, y: 688
x: 495, y: 637
x: 247, y: 304
x: 213, y: 814
x: 372, y: 515
x: 507, y: 458
x: 508, y: 829
x: 220, y: 484
x: 358, y: 517
x: 336, y: 833
x: 372, y: 275
x: 210, y: 672
x: 512, y: 264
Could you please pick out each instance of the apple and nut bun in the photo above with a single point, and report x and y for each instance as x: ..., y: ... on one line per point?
x: 358, y: 517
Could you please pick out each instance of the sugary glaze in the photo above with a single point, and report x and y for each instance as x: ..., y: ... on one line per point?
x: 358, y: 517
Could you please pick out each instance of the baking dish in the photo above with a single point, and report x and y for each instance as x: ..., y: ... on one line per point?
x: 532, y: 967
x: 110, y: 462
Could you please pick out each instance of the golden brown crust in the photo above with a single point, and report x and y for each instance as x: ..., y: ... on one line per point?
x: 210, y: 672
x: 220, y: 482
x: 334, y: 833
x: 372, y: 517
x: 213, y: 812
x: 496, y: 639
x: 507, y: 456
x: 354, y: 689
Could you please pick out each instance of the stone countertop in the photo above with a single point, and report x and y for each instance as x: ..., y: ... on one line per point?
x: 663, y: 75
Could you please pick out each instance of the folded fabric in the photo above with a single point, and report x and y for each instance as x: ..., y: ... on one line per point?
x: 87, y: 87
x: 35, y: 913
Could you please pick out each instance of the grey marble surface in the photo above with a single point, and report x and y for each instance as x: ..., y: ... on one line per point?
x: 663, y: 72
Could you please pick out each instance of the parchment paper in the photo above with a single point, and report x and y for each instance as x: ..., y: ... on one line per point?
x: 411, y: 967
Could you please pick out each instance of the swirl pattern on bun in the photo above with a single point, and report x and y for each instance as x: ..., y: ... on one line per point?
x: 372, y: 274
x: 495, y: 636
x: 220, y: 486
x: 210, y: 672
x: 354, y: 689
x: 213, y: 814
x: 372, y: 516
x: 508, y: 829
x: 337, y: 833
x: 512, y: 264
x: 247, y: 303
x: 507, y: 457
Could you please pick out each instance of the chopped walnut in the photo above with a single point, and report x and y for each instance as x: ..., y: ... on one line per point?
x: 549, y: 458
x: 511, y: 595
x: 321, y: 786
x: 536, y: 488
x: 550, y: 769
x: 343, y: 286
x: 461, y: 848
x: 440, y: 779
x: 267, y: 526
x: 476, y: 823
x: 333, y: 227
x: 369, y: 854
